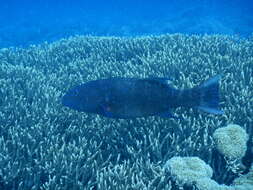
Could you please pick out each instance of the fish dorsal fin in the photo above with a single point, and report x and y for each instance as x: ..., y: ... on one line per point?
x: 163, y: 80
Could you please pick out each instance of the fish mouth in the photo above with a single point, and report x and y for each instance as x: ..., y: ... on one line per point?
x: 71, y: 103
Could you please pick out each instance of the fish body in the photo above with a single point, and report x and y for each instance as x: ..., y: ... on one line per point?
x: 133, y: 97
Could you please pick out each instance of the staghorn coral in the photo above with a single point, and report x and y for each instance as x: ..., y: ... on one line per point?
x: 46, y: 146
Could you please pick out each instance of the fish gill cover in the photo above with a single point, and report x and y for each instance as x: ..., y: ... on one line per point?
x: 44, y: 145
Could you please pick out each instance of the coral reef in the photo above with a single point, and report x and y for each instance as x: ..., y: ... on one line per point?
x: 231, y: 141
x: 194, y: 171
x: 188, y: 169
x: 245, y: 181
x: 44, y: 145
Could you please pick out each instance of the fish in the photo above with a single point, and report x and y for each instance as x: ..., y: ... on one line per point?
x: 128, y: 98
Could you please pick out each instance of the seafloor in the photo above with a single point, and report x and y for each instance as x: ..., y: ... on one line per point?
x: 44, y: 145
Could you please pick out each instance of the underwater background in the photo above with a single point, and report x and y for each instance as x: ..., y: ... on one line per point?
x: 28, y: 22
x: 47, y: 47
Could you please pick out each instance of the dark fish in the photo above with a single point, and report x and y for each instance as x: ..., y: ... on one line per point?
x: 132, y: 97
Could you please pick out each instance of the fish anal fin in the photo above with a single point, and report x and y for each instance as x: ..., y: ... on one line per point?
x: 211, y: 110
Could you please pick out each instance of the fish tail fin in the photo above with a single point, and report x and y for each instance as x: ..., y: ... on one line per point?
x: 209, y: 96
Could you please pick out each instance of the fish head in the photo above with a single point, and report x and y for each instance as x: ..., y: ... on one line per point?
x: 84, y: 98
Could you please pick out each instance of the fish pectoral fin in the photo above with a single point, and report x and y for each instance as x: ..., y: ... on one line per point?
x: 105, y: 110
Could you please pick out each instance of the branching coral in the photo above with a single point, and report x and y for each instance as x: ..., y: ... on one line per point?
x: 44, y: 145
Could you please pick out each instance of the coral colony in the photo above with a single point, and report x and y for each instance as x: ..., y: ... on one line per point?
x: 44, y: 145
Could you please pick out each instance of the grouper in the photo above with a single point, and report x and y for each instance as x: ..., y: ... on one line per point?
x: 127, y: 98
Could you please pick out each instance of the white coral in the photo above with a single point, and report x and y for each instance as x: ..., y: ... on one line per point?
x: 231, y: 141
x: 244, y: 182
x: 209, y: 184
x: 188, y: 169
x: 193, y: 170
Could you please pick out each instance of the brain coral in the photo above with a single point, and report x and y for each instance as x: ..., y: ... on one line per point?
x: 188, y: 169
x: 231, y: 141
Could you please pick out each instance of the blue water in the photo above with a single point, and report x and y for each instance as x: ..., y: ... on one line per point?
x: 31, y: 22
